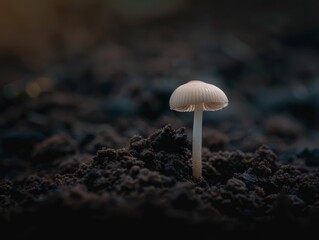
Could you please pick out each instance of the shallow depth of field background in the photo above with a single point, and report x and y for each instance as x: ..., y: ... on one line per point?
x: 100, y: 71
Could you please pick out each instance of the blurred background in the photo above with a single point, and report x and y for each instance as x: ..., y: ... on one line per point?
x: 76, y: 75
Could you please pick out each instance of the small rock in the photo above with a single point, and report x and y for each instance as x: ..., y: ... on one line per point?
x: 236, y: 185
x: 296, y: 201
x: 249, y: 179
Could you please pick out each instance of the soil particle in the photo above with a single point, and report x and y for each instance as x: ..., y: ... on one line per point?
x: 283, y: 126
x: 54, y: 147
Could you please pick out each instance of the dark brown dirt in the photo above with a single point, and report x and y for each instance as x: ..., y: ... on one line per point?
x: 149, y: 186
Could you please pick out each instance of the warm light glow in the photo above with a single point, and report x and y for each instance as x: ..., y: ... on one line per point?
x: 33, y: 89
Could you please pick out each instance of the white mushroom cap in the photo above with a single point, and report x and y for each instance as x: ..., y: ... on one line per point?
x: 195, y: 92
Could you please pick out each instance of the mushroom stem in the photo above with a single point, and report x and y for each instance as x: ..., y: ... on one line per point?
x: 197, y: 142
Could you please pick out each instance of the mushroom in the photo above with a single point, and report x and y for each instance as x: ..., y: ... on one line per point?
x: 197, y: 96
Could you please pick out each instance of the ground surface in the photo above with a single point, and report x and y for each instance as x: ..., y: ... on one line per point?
x: 90, y: 146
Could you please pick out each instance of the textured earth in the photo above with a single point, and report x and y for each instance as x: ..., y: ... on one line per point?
x: 149, y: 185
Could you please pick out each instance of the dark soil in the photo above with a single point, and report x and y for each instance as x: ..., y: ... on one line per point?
x: 149, y: 186
x: 89, y: 147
